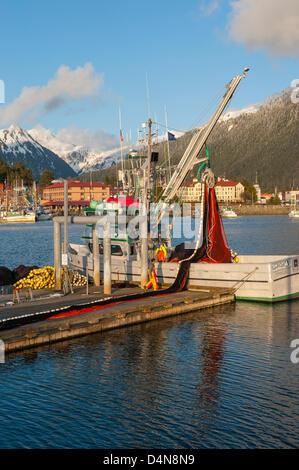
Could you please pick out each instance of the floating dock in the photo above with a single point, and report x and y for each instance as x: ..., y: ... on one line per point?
x: 113, y: 316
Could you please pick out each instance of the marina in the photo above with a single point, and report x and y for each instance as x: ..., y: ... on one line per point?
x: 194, y: 298
x: 223, y: 367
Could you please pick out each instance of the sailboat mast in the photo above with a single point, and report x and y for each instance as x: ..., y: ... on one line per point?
x: 121, y: 148
x: 167, y: 140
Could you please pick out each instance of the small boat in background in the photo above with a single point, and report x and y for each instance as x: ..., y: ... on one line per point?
x: 294, y: 214
x: 17, y: 217
x: 228, y: 212
x: 44, y: 215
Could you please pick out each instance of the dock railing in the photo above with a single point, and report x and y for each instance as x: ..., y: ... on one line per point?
x: 94, y: 221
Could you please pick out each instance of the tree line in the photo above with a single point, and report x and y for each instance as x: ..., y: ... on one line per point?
x: 18, y: 173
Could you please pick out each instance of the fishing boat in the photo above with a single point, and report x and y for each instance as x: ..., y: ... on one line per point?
x: 44, y: 214
x: 228, y: 213
x: 17, y: 217
x: 294, y: 214
x: 19, y: 209
x: 212, y: 263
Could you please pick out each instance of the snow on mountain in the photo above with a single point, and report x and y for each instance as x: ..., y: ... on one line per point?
x: 238, y: 112
x: 282, y: 95
x: 83, y: 158
x: 16, y: 144
x: 47, y: 138
x: 80, y: 158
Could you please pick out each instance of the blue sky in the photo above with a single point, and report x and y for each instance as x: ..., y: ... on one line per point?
x: 189, y: 51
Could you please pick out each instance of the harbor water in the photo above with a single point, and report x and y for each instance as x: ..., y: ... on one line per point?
x: 219, y: 378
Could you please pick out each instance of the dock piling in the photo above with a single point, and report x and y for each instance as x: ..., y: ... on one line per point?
x: 96, y: 255
x: 95, y: 221
x: 144, y: 251
x: 57, y: 254
x: 107, y: 259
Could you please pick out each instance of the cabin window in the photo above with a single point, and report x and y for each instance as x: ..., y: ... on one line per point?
x: 295, y: 263
x: 115, y: 249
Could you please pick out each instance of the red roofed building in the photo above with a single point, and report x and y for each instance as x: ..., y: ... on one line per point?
x: 265, y: 197
x: 229, y: 191
x: 79, y: 194
x: 192, y: 191
x: 226, y: 191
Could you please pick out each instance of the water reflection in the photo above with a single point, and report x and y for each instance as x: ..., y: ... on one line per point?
x: 220, y: 377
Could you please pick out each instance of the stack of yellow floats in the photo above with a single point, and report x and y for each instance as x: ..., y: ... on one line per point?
x: 78, y: 280
x: 41, y: 278
x: 44, y: 278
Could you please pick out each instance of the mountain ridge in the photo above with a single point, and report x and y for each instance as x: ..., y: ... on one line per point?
x: 16, y: 144
x: 259, y: 140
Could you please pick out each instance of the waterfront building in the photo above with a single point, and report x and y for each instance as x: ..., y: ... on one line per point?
x: 229, y: 191
x: 192, y: 191
x: 291, y: 197
x: 265, y: 197
x: 80, y: 194
x: 226, y: 191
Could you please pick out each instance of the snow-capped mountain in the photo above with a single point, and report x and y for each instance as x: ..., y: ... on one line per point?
x: 253, y: 108
x: 47, y: 139
x: 86, y: 159
x: 238, y: 112
x: 16, y: 144
x: 264, y: 141
x: 80, y: 158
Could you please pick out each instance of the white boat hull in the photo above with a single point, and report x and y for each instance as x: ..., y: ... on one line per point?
x: 18, y: 219
x: 228, y: 214
x: 255, y: 278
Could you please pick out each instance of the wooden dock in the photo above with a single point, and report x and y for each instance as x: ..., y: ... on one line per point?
x: 113, y: 316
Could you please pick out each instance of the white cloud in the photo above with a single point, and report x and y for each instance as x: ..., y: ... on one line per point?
x: 67, y: 85
x: 98, y: 141
x: 207, y: 8
x: 272, y: 25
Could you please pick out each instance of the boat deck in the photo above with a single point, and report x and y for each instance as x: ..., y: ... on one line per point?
x: 113, y: 316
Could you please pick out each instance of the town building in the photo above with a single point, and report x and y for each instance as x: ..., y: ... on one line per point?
x: 229, y: 191
x: 226, y: 191
x: 80, y: 194
x: 265, y: 197
x: 291, y: 197
x: 192, y: 191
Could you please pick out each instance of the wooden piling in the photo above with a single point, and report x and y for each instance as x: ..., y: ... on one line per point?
x: 107, y: 259
x: 144, y: 251
x: 57, y: 254
x: 95, y: 221
x: 96, y: 255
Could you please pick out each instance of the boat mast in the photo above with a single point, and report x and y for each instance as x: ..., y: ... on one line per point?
x: 121, y: 149
x: 167, y: 140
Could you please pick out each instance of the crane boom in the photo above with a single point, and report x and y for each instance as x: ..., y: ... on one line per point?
x: 190, y: 157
